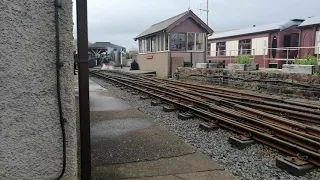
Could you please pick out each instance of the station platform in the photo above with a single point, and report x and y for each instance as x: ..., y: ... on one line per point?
x: 127, y: 144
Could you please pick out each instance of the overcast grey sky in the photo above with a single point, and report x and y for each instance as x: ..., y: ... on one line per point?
x: 119, y: 21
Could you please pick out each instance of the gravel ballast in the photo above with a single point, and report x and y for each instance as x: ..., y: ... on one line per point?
x: 254, y: 162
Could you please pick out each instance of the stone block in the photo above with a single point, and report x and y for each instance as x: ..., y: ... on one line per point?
x: 294, y: 166
x: 295, y: 68
x: 202, y: 65
x: 243, y: 67
x: 239, y: 67
x: 251, y: 67
x: 241, y: 142
x: 215, y: 65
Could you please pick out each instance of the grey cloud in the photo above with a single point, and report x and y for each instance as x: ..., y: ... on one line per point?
x: 119, y: 21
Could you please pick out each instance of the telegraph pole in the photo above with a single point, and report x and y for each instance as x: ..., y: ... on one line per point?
x: 206, y: 10
x: 206, y: 39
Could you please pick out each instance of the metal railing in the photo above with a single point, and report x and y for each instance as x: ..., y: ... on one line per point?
x: 232, y: 54
x: 286, y: 54
x: 291, y: 53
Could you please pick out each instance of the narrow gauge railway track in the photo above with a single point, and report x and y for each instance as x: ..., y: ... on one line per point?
x: 288, y: 136
x: 286, y: 108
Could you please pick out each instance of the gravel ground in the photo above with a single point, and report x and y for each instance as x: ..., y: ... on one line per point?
x: 254, y: 162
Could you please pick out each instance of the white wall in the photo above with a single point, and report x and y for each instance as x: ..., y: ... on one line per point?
x: 213, y: 49
x: 232, y: 48
x: 259, y: 44
x: 317, y: 42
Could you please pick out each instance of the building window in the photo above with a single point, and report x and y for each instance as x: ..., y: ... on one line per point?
x: 162, y: 43
x: 158, y: 39
x: 295, y: 39
x: 221, y: 48
x: 191, y: 38
x: 287, y: 41
x: 148, y: 45
x: 196, y: 41
x: 140, y: 46
x: 200, y: 41
x: 178, y: 42
x: 245, y: 47
x: 153, y: 44
x: 166, y: 42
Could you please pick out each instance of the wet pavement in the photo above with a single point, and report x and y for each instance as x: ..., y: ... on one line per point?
x: 126, y: 144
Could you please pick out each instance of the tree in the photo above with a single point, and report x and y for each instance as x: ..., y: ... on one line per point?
x: 132, y: 52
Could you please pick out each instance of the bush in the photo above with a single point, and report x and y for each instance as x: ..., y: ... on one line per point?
x: 243, y: 60
x: 307, y: 60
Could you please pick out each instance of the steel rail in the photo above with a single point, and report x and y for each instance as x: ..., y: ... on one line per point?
x: 287, y: 104
x: 231, y: 114
x: 243, y: 94
x: 271, y: 140
x: 290, y: 125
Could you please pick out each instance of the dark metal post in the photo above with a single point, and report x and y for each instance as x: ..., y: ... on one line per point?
x: 191, y: 61
x: 83, y: 74
x: 170, y: 57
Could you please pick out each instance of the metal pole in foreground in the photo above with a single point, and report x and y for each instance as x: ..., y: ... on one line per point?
x: 83, y: 74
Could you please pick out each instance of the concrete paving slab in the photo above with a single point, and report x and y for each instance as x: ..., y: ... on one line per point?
x: 112, y: 115
x: 125, y: 144
x: 132, y: 140
x: 102, y: 101
x: 191, y: 163
x: 207, y: 175
x: 170, y: 177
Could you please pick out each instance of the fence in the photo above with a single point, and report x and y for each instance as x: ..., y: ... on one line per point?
x: 231, y: 55
x: 288, y: 54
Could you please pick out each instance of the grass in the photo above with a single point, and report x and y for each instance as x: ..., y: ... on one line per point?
x: 307, y: 60
x: 243, y: 60
x: 316, y: 73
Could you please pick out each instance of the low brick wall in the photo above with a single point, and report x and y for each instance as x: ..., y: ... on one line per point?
x: 295, y: 85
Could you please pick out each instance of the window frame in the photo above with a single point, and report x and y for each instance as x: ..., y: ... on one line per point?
x: 185, y: 42
x: 247, y: 50
x: 195, y: 42
x: 218, y: 46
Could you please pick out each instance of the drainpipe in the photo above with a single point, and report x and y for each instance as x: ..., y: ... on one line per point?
x: 82, y: 32
x: 300, y: 33
x: 206, y: 48
x: 169, y: 57
x: 314, y: 38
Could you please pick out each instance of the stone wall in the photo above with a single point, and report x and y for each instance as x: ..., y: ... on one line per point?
x: 31, y: 140
x: 295, y: 85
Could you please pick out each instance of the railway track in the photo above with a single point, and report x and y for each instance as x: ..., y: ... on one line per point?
x: 253, y: 116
